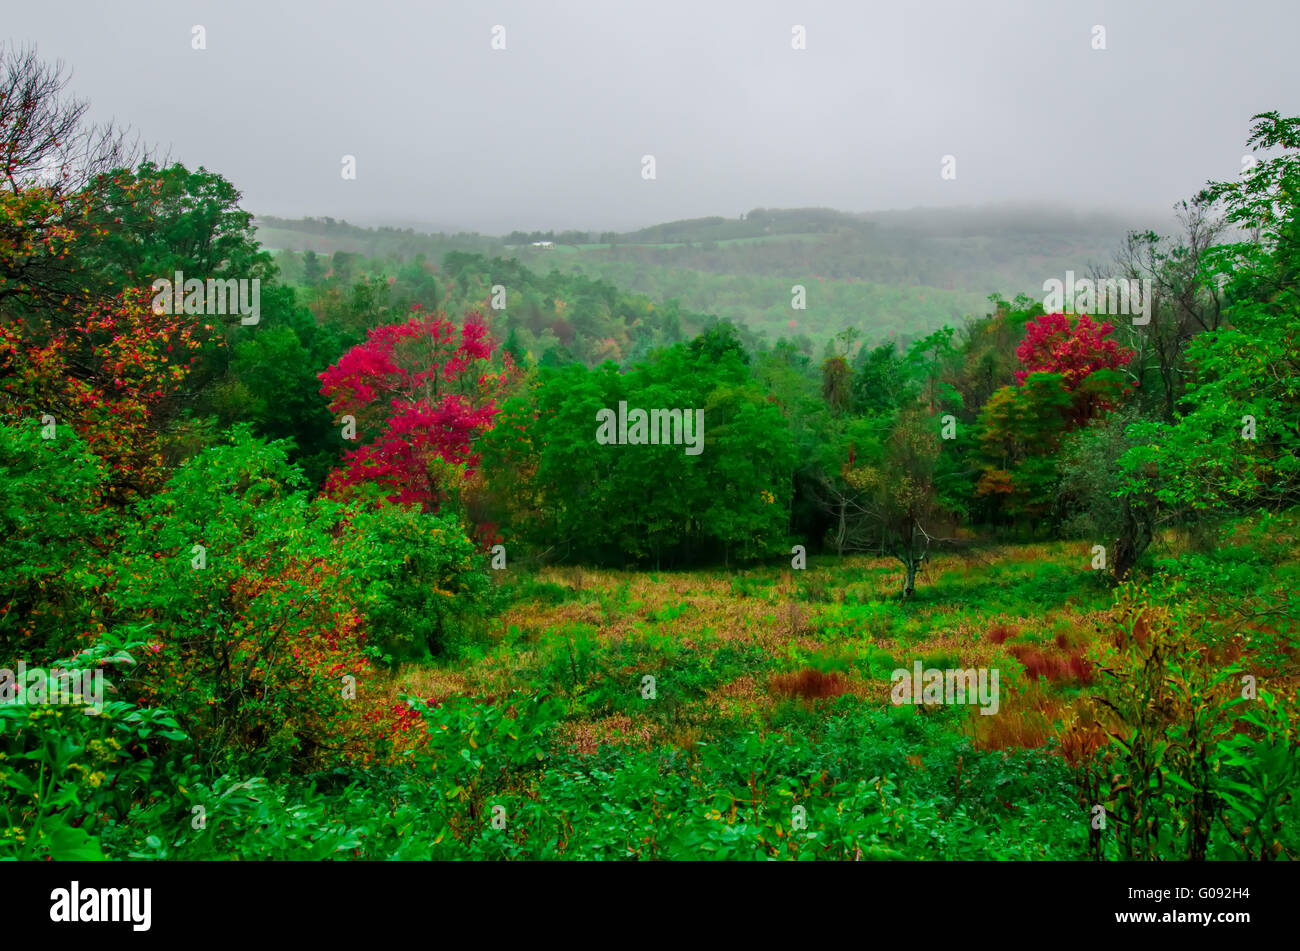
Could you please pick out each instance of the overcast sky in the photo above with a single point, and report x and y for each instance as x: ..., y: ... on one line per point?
x: 550, y: 132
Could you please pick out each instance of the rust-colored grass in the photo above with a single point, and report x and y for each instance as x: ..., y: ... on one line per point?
x: 809, y: 683
x: 1001, y: 633
x: 1026, y: 719
x: 1059, y: 668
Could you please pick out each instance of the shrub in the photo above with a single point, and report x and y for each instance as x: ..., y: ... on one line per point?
x: 1193, y: 768
x: 66, y: 775
x: 254, y: 632
x: 53, y: 528
x: 423, y: 583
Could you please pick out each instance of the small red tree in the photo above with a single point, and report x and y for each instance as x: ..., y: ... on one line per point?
x: 422, y: 392
x: 1051, y: 345
x: 1076, y: 352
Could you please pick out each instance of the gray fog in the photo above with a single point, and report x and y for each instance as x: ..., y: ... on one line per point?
x: 550, y: 131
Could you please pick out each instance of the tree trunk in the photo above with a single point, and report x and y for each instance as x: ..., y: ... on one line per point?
x: 909, y: 585
x: 1134, y: 538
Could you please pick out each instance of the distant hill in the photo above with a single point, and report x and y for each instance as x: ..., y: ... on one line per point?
x: 906, y: 271
x: 326, y: 235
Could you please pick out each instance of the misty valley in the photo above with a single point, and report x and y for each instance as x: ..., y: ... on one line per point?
x: 623, y: 529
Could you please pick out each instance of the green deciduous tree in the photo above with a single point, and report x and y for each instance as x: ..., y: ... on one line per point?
x: 1235, y: 439
x: 651, y: 504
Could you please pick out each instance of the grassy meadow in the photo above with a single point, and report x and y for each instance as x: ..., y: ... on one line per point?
x: 772, y: 691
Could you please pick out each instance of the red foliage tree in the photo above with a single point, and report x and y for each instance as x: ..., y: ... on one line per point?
x: 421, y: 392
x: 1078, y: 354
x: 1051, y: 345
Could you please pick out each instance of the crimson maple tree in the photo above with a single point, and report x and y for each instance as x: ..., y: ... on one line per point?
x: 1052, y: 345
x: 1075, y: 352
x: 421, y: 393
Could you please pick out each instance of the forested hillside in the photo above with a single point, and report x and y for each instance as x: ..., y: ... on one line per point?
x: 890, y: 274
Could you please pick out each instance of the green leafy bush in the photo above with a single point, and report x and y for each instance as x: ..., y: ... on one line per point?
x: 424, y: 584
x: 54, y: 531
x: 67, y: 774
